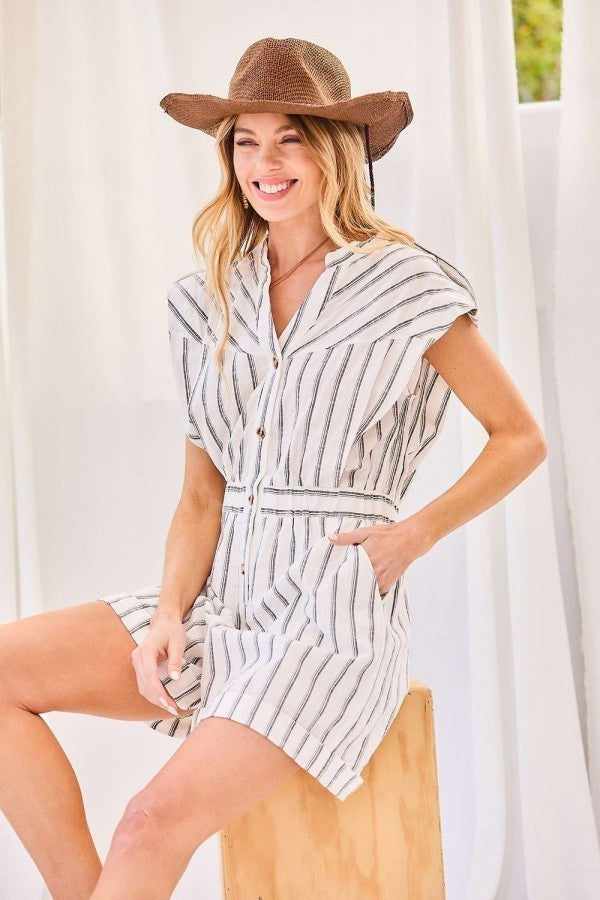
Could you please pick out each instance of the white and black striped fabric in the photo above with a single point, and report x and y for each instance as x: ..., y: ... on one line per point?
x: 320, y: 430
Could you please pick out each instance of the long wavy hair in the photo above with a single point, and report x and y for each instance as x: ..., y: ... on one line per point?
x: 224, y: 231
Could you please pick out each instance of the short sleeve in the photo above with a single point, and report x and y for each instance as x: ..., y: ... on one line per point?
x: 435, y: 294
x: 441, y: 293
x: 188, y: 355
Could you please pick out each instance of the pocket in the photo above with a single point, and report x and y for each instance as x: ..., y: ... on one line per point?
x: 362, y: 550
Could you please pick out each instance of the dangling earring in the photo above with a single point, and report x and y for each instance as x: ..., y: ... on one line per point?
x: 244, y: 201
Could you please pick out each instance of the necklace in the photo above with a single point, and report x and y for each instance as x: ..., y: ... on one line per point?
x: 293, y: 269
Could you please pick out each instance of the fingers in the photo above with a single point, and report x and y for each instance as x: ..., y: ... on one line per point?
x: 175, y: 657
x: 145, y: 662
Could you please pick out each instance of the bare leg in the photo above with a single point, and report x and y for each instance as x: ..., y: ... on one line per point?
x: 218, y: 773
x: 41, y: 798
x: 46, y: 665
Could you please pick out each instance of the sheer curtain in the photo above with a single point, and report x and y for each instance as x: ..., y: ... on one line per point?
x: 99, y: 192
x: 576, y: 333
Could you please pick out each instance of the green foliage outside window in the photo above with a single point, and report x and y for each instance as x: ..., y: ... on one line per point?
x: 538, y: 38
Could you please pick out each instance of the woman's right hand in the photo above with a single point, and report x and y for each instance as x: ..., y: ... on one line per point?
x: 164, y: 641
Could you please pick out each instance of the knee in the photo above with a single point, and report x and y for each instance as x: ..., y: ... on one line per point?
x: 157, y: 820
x: 149, y: 814
x: 141, y: 823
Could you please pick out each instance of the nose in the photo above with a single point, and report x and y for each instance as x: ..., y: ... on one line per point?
x: 268, y: 157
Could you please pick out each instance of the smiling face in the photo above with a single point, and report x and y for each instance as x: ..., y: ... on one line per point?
x: 270, y: 152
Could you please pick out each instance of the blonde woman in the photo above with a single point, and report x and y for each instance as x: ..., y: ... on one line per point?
x: 315, y: 350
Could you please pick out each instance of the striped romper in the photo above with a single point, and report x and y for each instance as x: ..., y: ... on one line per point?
x: 316, y: 431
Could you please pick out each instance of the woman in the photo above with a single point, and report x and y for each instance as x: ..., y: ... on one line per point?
x: 315, y: 351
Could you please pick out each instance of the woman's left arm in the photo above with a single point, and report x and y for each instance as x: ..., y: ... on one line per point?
x: 516, y: 446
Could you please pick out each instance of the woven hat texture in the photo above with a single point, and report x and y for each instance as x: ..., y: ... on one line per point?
x: 292, y: 75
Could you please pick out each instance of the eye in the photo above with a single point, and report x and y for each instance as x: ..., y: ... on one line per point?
x: 293, y: 140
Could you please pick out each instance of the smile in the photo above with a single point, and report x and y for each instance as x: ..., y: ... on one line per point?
x: 275, y: 191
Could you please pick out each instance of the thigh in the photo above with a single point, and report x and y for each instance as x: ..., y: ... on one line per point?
x: 75, y: 659
x: 217, y: 774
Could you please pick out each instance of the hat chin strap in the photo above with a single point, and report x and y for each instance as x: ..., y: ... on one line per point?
x: 370, y: 166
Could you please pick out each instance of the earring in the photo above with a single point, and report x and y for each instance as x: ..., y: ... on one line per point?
x: 245, y: 201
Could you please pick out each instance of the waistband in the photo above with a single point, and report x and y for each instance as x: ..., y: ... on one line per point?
x: 302, y: 500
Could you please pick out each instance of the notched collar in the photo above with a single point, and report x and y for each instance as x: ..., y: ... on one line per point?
x: 252, y: 326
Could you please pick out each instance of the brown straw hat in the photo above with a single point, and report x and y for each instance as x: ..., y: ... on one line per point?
x: 290, y: 75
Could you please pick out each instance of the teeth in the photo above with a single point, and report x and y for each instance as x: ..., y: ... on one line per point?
x: 274, y: 188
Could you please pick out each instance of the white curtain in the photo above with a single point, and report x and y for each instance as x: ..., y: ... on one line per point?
x: 99, y: 192
x: 576, y: 332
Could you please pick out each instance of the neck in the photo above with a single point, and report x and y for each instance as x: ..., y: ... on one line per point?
x: 287, y: 245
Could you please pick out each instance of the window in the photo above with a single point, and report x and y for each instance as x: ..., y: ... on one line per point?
x: 537, y: 28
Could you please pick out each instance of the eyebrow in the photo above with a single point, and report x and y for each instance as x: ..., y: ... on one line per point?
x: 249, y: 130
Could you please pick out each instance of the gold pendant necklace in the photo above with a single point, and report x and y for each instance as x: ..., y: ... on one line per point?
x: 293, y: 269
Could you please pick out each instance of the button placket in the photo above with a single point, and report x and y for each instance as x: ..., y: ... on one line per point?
x: 254, y: 496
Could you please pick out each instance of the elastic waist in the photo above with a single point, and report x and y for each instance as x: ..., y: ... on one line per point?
x: 310, y: 501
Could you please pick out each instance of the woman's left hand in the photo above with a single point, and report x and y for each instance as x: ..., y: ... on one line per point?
x: 391, y: 548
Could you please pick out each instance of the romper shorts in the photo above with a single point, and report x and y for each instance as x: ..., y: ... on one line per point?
x: 316, y: 660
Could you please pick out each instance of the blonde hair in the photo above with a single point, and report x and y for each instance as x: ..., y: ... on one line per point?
x: 224, y: 231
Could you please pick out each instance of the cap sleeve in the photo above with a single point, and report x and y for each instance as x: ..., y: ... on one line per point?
x: 436, y: 294
x: 189, y: 352
x: 440, y: 294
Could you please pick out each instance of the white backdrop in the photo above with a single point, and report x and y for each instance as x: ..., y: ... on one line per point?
x: 100, y: 189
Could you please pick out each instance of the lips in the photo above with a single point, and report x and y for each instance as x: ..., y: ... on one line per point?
x: 277, y: 194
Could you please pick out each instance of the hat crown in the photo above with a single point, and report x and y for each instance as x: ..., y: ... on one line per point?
x: 296, y: 77
x: 289, y: 70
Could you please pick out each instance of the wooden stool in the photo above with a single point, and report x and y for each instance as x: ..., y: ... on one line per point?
x: 383, y: 842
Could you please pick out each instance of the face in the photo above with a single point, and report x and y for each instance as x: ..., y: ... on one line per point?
x: 268, y: 149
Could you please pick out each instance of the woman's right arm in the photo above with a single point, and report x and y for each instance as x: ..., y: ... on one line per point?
x: 193, y: 534
x: 191, y: 544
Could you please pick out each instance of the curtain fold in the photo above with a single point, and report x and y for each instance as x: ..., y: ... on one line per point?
x: 576, y: 333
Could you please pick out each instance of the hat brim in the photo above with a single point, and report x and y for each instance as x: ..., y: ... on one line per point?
x: 387, y: 113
